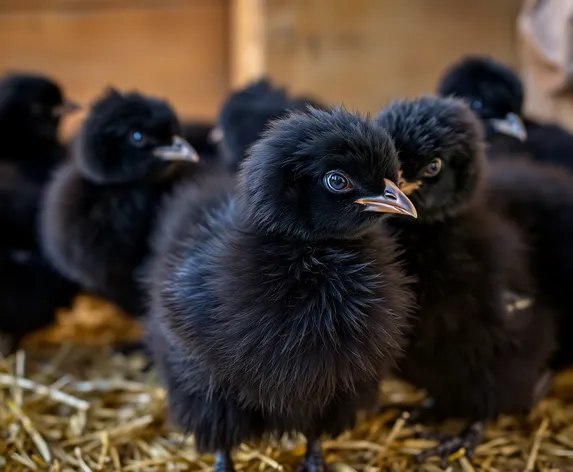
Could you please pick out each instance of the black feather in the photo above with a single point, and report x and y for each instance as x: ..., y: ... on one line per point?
x: 246, y: 114
x: 474, y: 358
x: 277, y: 306
x: 30, y: 289
x: 493, y: 90
x: 100, y: 209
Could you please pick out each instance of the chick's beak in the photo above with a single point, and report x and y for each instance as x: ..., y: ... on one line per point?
x: 215, y: 135
x: 406, y: 186
x: 65, y: 109
x: 178, y: 150
x: 392, y: 201
x: 511, y: 125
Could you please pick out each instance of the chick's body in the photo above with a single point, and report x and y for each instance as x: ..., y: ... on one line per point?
x: 100, y: 208
x: 527, y: 182
x: 275, y: 308
x: 539, y: 200
x: 30, y: 290
x: 476, y: 356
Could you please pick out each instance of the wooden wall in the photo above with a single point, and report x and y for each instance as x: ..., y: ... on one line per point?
x: 360, y: 52
x: 365, y: 52
x: 172, y: 48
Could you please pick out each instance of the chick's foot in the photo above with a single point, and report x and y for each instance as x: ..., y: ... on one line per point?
x: 467, y: 440
x: 424, y: 412
x: 223, y: 462
x: 313, y: 458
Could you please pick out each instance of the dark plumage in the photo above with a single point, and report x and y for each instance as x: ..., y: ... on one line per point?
x: 539, y: 199
x: 31, y: 107
x: 495, y: 94
x: 199, y: 135
x: 100, y: 208
x: 475, y: 356
x: 535, y: 196
x: 245, y: 115
x: 278, y: 307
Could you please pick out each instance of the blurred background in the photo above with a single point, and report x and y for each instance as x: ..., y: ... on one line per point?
x: 359, y: 52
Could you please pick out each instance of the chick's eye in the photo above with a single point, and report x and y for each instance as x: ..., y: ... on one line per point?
x: 476, y: 105
x: 337, y: 182
x: 137, y: 138
x: 433, y: 168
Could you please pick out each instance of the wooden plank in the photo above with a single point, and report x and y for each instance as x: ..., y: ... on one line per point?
x: 365, y: 52
x: 180, y: 53
x: 248, y: 41
x: 35, y: 6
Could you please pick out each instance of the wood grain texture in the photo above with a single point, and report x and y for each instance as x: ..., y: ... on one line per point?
x: 248, y: 41
x: 365, y: 52
x: 178, y: 51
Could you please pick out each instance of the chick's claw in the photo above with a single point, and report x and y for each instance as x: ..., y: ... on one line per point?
x: 466, y: 441
x: 313, y: 458
x: 424, y: 412
x: 223, y: 462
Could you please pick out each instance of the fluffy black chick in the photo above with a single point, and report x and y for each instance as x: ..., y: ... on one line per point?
x: 538, y: 198
x: 495, y: 93
x: 245, y: 115
x: 279, y: 306
x: 31, y: 108
x: 101, y: 207
x: 199, y: 134
x: 474, y: 349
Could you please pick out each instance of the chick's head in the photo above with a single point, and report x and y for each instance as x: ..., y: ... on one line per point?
x: 440, y: 148
x: 493, y: 91
x: 32, y: 105
x: 322, y: 174
x: 128, y: 137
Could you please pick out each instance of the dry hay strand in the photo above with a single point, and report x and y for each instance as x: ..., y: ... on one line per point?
x: 78, y: 408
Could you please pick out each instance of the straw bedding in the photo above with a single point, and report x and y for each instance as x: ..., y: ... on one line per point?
x: 68, y: 404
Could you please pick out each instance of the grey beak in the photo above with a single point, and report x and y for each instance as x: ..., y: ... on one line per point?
x: 65, y: 109
x: 215, y: 135
x: 392, y: 201
x: 511, y: 125
x: 178, y: 150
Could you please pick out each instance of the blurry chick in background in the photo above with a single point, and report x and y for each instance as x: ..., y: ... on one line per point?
x: 199, y: 135
x: 278, y: 307
x: 475, y: 355
x: 495, y: 93
x: 31, y: 108
x: 245, y: 115
x: 101, y: 207
x: 538, y: 197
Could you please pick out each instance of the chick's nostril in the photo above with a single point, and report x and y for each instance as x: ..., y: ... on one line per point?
x: 390, y: 196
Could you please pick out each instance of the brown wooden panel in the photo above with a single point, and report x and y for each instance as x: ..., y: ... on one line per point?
x: 180, y: 52
x: 365, y: 52
x: 84, y: 5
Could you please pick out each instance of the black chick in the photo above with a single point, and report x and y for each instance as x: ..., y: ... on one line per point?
x: 101, y: 207
x: 31, y: 108
x: 245, y: 115
x: 199, y: 135
x: 278, y: 307
x: 475, y: 356
x: 538, y: 197
x: 495, y: 94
